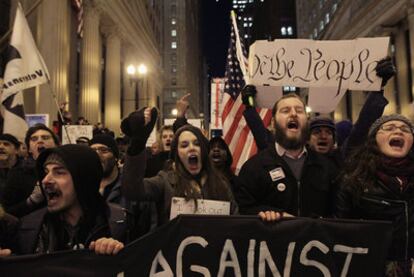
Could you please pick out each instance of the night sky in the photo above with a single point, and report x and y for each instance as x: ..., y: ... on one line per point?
x: 215, y: 18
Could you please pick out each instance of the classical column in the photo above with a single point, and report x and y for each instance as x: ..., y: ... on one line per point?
x: 402, y: 63
x: 410, y: 19
x: 113, y: 82
x: 89, y: 100
x: 54, y: 46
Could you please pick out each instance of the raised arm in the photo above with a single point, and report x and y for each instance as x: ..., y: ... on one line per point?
x: 373, y: 108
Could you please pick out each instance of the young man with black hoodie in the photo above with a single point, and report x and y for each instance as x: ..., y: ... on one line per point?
x: 76, y: 215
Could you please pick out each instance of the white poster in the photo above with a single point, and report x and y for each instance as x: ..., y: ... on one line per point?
x: 217, y: 90
x: 208, y: 207
x: 343, y: 64
x: 70, y: 133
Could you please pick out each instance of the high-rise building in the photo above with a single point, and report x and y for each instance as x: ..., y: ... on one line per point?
x: 346, y: 19
x: 182, y: 56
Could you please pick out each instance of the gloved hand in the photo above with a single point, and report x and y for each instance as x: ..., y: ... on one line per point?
x: 138, y: 126
x: 385, y: 69
x: 36, y: 197
x: 248, y: 93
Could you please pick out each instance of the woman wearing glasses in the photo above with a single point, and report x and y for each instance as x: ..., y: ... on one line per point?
x: 378, y: 184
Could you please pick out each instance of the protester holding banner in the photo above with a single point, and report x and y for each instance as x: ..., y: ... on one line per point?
x: 378, y: 183
x: 21, y: 194
x: 287, y: 177
x: 191, y: 176
x: 76, y: 216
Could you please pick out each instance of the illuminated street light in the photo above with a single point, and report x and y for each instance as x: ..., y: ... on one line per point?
x: 142, y: 69
x: 174, y: 112
x: 136, y: 75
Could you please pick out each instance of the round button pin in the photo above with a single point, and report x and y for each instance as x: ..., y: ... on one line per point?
x: 281, y: 187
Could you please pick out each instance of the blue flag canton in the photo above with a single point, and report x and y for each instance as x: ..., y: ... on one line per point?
x: 234, y: 76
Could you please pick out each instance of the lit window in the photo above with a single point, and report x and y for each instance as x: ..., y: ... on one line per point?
x: 327, y: 18
x: 173, y: 21
x: 235, y: 6
x: 173, y: 94
x: 245, y: 24
x: 174, y: 33
x: 321, y: 25
x: 246, y: 36
x: 173, y: 69
x: 283, y: 31
x: 289, y: 30
x: 250, y: 24
x: 174, y: 45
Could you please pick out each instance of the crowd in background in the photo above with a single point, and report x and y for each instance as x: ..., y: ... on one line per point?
x: 104, y: 192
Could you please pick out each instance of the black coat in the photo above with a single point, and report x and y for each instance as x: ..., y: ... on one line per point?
x: 383, y: 203
x: 32, y: 225
x: 311, y: 196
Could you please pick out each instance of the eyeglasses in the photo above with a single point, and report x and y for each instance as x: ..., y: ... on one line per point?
x: 102, y: 150
x: 43, y: 137
x: 392, y: 128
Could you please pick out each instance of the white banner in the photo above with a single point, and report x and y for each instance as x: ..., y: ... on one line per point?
x: 345, y: 64
x: 208, y: 207
x: 217, y: 90
x: 70, y: 133
x: 25, y: 67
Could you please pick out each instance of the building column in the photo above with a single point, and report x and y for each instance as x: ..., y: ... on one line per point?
x: 410, y: 19
x: 113, y: 83
x: 54, y: 46
x: 90, y: 99
x: 402, y: 63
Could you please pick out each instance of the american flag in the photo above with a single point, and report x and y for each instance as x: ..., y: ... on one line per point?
x: 235, y: 130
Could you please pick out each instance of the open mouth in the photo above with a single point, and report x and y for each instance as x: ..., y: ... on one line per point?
x: 397, y: 142
x: 168, y: 143
x: 322, y: 144
x: 193, y: 160
x: 293, y: 124
x: 40, y: 149
x: 216, y: 157
x: 2, y: 152
x: 52, y: 194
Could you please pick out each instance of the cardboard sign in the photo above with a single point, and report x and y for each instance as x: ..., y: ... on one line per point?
x: 344, y: 64
x: 211, y: 207
x: 70, y: 133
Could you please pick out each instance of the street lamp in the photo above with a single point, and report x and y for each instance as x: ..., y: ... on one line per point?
x: 136, y: 74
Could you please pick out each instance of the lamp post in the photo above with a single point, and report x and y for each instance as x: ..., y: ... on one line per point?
x: 136, y: 75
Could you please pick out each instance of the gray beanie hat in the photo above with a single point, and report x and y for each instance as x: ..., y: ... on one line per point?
x: 377, y: 124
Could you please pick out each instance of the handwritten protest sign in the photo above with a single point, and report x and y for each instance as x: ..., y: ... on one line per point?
x: 72, y: 132
x: 345, y: 64
x: 211, y: 207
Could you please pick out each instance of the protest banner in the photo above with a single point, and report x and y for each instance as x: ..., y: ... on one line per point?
x: 229, y: 246
x: 336, y: 66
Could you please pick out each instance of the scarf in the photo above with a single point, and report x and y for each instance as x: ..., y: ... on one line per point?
x: 395, y: 172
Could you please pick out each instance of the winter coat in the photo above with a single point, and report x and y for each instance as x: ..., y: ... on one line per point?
x: 382, y: 203
x: 266, y: 183
x: 34, y: 227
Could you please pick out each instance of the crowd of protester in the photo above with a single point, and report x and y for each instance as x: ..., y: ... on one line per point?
x: 102, y: 193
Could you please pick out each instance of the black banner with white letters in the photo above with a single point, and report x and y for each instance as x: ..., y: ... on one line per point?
x: 229, y: 246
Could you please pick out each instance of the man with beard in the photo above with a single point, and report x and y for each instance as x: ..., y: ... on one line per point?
x: 287, y: 178
x: 76, y: 215
x: 21, y: 194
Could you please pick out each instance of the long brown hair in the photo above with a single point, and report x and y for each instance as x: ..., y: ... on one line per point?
x: 214, y: 183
